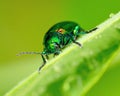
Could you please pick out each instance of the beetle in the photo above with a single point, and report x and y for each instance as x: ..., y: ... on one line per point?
x: 58, y: 37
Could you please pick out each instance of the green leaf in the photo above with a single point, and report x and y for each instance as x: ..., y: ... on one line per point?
x: 75, y: 70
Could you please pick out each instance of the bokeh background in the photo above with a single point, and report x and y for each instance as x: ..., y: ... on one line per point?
x: 23, y: 24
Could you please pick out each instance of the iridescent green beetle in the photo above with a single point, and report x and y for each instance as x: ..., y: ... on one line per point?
x: 58, y: 36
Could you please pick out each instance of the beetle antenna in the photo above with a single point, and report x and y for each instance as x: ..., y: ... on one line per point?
x: 44, y: 60
x: 23, y: 53
x: 92, y: 30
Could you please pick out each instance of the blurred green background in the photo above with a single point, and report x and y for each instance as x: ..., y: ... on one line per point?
x: 23, y: 24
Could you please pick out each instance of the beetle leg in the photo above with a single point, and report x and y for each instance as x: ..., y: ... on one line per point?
x: 44, y: 62
x: 55, y: 54
x: 47, y: 57
x: 73, y: 40
x: 92, y: 30
x: 58, y: 48
x: 80, y: 45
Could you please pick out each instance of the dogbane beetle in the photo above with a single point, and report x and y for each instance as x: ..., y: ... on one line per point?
x: 57, y: 37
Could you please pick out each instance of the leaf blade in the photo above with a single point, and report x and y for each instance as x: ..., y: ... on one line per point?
x: 62, y: 75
